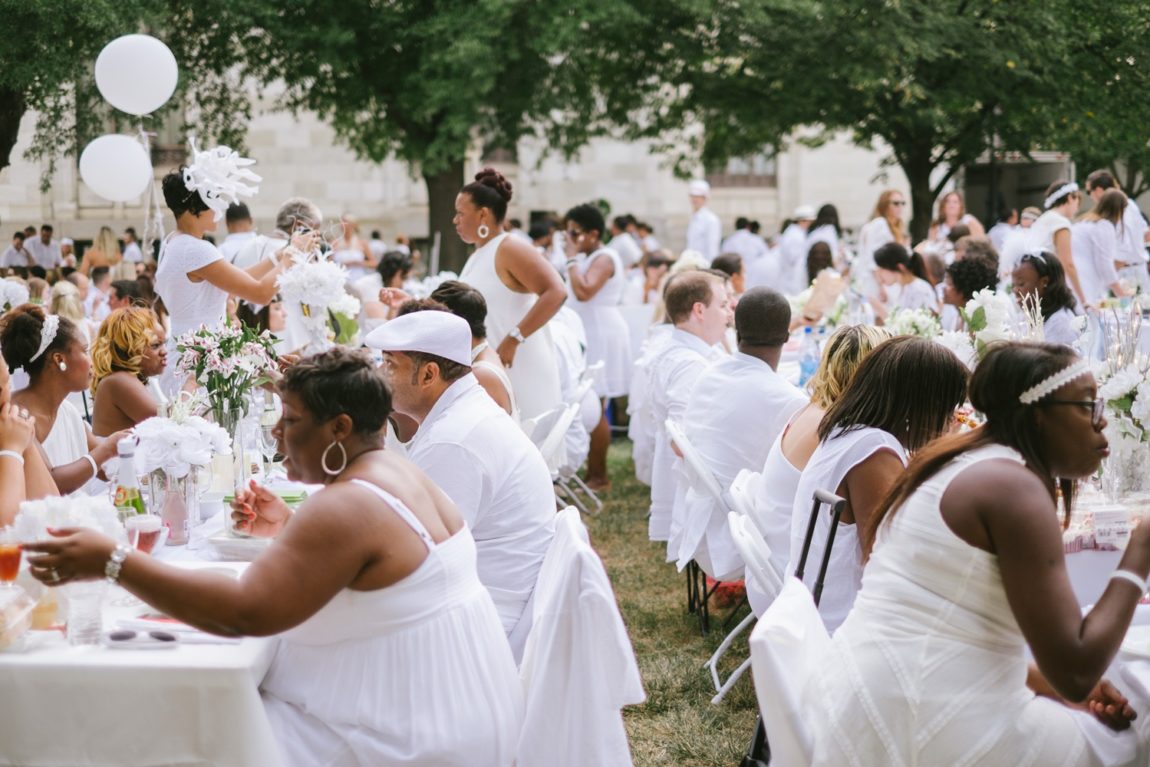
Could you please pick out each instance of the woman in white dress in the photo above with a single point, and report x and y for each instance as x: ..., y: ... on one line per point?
x: 886, y: 225
x: 391, y: 652
x: 1051, y: 232
x: 827, y: 229
x: 966, y: 571
x: 597, y: 280
x: 521, y: 288
x: 1039, y: 278
x: 1094, y: 247
x: 844, y: 352
x: 54, y: 354
x: 351, y: 250
x: 951, y: 213
x: 195, y: 280
x: 905, y: 272
x: 903, y: 395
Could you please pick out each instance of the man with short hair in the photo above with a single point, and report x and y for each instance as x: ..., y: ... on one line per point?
x: 132, y: 252
x: 1131, y: 234
x: 698, y: 306
x: 475, y: 453
x: 124, y: 293
x: 96, y: 306
x: 16, y: 256
x: 82, y: 284
x: 45, y: 250
x: 744, y: 243
x: 295, y: 215
x: 704, y: 231
x: 731, y: 390
x: 241, y: 230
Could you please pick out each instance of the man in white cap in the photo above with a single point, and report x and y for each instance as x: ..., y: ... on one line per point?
x: 793, y: 250
x: 704, y: 231
x: 475, y: 453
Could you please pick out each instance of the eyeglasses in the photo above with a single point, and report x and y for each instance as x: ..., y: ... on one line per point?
x: 900, y: 203
x: 1097, y: 407
x: 574, y: 234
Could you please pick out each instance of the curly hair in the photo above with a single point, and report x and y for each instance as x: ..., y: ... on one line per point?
x: 341, y: 380
x: 20, y: 330
x: 122, y: 343
x: 971, y: 275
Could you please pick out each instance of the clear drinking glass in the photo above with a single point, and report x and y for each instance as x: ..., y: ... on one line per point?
x: 144, y: 532
x: 10, y: 556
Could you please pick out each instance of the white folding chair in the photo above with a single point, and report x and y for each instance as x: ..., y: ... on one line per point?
x: 572, y: 482
x: 549, y: 432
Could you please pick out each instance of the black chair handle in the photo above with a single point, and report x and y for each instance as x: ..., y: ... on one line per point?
x: 836, y: 504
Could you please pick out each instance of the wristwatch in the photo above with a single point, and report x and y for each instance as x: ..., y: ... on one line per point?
x: 516, y: 334
x: 115, y: 562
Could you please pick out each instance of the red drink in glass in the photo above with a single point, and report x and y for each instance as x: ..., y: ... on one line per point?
x: 10, y: 554
x: 143, y: 531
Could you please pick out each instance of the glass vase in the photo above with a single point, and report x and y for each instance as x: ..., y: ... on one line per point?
x: 177, y: 501
x: 231, y: 420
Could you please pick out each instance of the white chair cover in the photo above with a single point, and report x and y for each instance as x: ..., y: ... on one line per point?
x: 763, y: 583
x: 787, y: 642
x: 578, y: 669
x: 703, y: 505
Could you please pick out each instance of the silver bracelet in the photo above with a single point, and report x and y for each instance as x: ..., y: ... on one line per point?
x: 91, y: 462
x: 13, y: 455
x: 1126, y: 575
x: 116, y: 563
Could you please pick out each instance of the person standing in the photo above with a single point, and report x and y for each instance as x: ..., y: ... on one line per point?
x: 241, y: 231
x: 704, y: 231
x: 887, y: 224
x: 1131, y: 248
x: 132, y: 253
x: 747, y: 245
x: 624, y: 243
x: 597, y: 281
x: 522, y: 290
x: 793, y: 249
x: 1051, y: 232
x: 45, y: 249
x: 1094, y: 245
x: 351, y: 250
x: 1006, y: 224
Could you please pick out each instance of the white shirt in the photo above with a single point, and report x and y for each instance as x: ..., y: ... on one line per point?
x: 627, y: 248
x: 704, y: 232
x: 257, y: 249
x: 1042, y: 231
x: 132, y: 253
x: 47, y: 256
x: 190, y: 304
x: 13, y: 257
x: 480, y: 458
x: 751, y: 247
x: 998, y: 234
x: 670, y: 378
x: 1059, y: 328
x: 918, y: 294
x: 1094, y: 246
x: 793, y: 252
x: 1131, y: 238
x: 234, y: 243
x: 731, y: 392
x: 766, y: 271
x: 96, y: 305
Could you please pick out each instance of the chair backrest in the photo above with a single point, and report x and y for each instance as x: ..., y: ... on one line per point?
x: 755, y: 553
x: 553, y: 445
x: 699, y: 475
x: 786, y: 644
x: 744, y: 494
x: 836, y: 504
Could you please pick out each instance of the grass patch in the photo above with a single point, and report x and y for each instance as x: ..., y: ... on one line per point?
x: 678, y: 724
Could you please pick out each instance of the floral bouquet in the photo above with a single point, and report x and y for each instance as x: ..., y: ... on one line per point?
x: 91, y: 511
x: 312, y: 289
x: 177, y: 446
x: 1127, y: 396
x: 228, y: 363
x: 13, y: 294
x: 914, y: 322
x: 989, y: 317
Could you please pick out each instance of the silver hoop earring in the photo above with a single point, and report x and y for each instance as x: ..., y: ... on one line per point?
x: 323, y: 459
x: 483, y: 231
x: 63, y: 366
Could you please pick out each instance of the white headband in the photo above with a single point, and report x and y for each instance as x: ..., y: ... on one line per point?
x: 1059, y: 192
x: 47, y: 335
x: 218, y: 175
x: 1054, y: 382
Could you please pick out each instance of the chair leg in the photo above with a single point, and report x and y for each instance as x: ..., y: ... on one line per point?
x: 705, y: 602
x: 567, y: 493
x: 588, y: 492
x: 727, y: 685
x: 731, y: 615
x: 759, y: 751
x: 713, y: 663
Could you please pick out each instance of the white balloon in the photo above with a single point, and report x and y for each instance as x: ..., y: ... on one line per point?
x: 136, y: 74
x: 116, y: 167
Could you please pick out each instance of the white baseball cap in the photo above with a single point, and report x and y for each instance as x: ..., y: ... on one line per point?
x: 699, y: 188
x: 430, y: 332
x: 804, y: 213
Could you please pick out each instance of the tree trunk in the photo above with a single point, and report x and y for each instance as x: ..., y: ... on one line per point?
x: 918, y: 168
x: 442, y: 189
x: 12, y: 108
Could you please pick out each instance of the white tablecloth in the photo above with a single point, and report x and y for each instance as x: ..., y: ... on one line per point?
x: 194, y: 705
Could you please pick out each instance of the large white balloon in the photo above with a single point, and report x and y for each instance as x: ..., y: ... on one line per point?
x: 136, y: 74
x: 116, y: 167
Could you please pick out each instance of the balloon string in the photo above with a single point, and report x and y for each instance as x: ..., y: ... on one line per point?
x: 153, y: 214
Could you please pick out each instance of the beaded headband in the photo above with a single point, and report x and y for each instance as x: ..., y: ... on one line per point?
x: 47, y: 335
x: 1059, y: 192
x: 1054, y: 382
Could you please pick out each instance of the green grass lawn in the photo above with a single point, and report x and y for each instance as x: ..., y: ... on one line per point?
x: 677, y: 725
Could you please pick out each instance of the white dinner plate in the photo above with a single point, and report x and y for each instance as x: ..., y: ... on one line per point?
x: 1137, y: 642
x: 238, y: 549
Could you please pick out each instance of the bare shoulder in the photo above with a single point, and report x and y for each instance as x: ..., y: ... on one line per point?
x: 999, y: 483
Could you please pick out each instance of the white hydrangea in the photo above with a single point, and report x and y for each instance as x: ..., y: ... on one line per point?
x: 960, y: 344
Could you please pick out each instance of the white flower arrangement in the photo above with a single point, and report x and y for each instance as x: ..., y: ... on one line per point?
x: 311, y: 289
x: 13, y: 294
x: 914, y: 322
x: 428, y: 284
x: 176, y: 447
x: 1126, y: 392
x: 990, y: 317
x: 227, y: 362
x: 961, y: 345
x: 88, y: 511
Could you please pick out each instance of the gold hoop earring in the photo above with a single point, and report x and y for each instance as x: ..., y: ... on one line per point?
x: 343, y: 463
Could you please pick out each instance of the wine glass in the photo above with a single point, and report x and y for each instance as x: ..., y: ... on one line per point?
x: 10, y: 555
x: 268, y: 446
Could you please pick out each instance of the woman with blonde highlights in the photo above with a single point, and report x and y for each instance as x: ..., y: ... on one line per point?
x: 65, y: 302
x: 105, y: 251
x: 127, y: 351
x: 886, y: 225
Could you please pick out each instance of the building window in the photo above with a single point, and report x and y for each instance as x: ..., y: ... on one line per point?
x: 758, y: 170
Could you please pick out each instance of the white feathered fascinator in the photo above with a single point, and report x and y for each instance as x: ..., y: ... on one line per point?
x: 220, y: 176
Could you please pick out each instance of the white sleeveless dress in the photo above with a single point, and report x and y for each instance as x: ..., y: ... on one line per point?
x: 535, y: 372
x: 417, y: 673
x: 608, y: 338
x: 930, y: 666
x: 499, y: 372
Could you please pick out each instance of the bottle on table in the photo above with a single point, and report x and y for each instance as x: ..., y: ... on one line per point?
x: 128, y: 500
x: 808, y: 356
